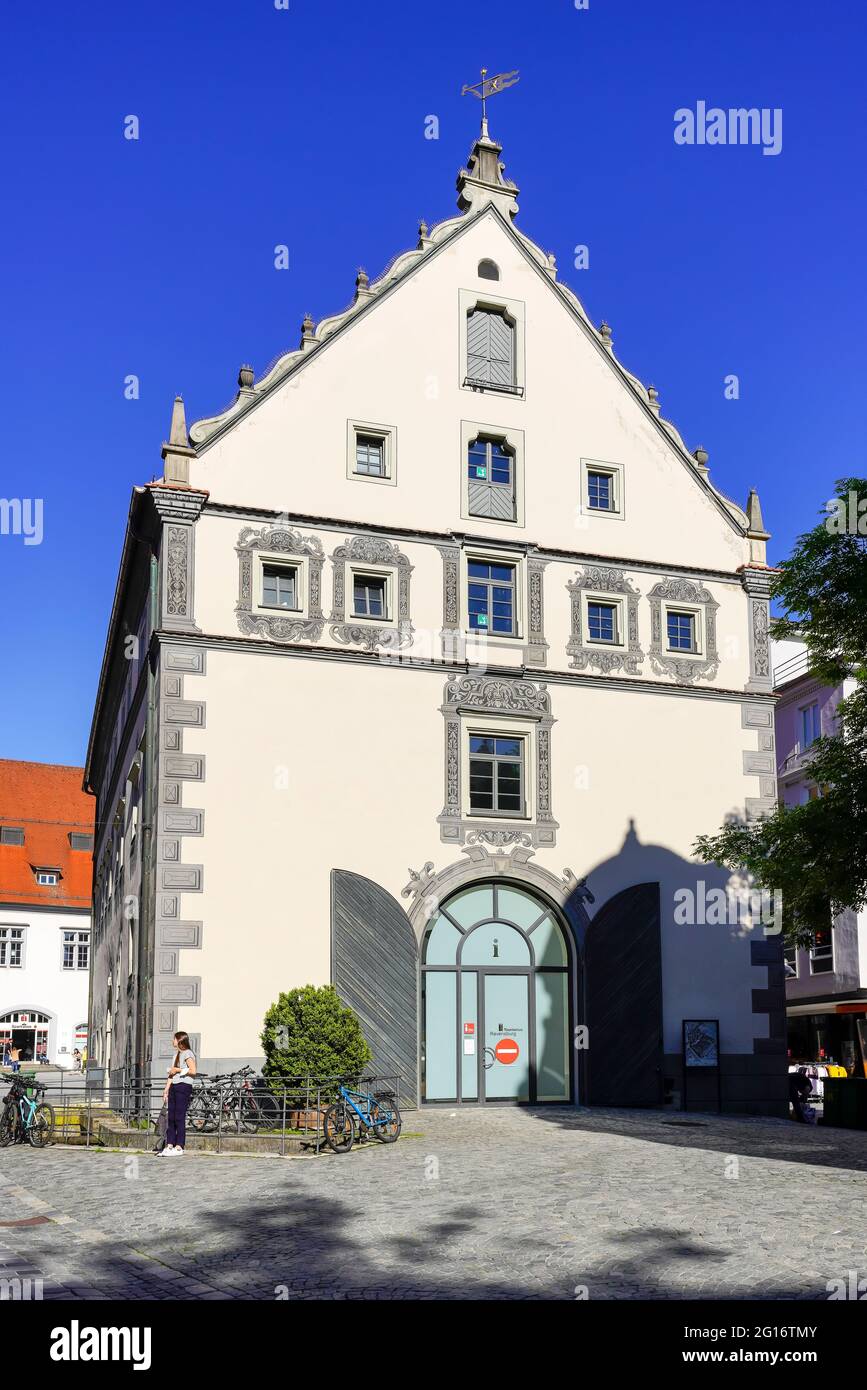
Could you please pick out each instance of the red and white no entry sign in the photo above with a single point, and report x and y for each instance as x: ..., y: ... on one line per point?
x: 506, y: 1051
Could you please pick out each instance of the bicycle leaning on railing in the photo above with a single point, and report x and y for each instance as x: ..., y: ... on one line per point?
x: 361, y: 1112
x: 234, y: 1099
x: 23, y: 1118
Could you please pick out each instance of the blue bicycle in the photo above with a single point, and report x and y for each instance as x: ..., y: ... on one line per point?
x: 365, y: 1113
x: 24, y: 1118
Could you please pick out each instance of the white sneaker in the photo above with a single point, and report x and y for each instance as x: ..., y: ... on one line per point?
x: 169, y: 1149
x: 177, y: 1151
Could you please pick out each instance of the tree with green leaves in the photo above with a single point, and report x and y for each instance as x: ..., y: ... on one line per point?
x: 815, y: 855
x: 309, y: 1032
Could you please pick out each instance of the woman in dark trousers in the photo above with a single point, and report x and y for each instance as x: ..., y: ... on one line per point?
x: 179, y: 1089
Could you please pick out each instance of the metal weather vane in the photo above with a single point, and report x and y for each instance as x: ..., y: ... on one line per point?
x: 489, y: 87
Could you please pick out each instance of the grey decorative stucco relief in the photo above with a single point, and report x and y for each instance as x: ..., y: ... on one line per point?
x: 178, y: 510
x: 757, y: 583
x: 760, y: 762
x: 604, y: 581
x: 372, y: 550
x: 454, y: 636
x: 426, y: 888
x: 174, y: 823
x: 683, y: 667
x: 468, y: 695
x: 281, y: 542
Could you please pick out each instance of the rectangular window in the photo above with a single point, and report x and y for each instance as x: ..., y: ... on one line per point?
x: 370, y: 455
x: 822, y: 952
x: 681, y: 631
x: 369, y: 593
x: 491, y: 479
x: 78, y: 841
x: 11, y: 835
x: 279, y: 586
x: 600, y: 491
x: 490, y: 350
x: 790, y: 956
x: 76, y: 948
x: 11, y: 946
x: 496, y: 775
x: 491, y: 595
x: 811, y: 726
x: 602, y: 622
x: 47, y: 877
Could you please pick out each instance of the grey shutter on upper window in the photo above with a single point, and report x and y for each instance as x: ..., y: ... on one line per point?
x: 490, y: 348
x: 492, y: 500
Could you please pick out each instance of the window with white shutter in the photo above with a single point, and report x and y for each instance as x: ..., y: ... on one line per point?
x: 490, y: 350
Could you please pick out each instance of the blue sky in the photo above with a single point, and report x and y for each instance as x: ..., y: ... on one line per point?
x: 305, y: 126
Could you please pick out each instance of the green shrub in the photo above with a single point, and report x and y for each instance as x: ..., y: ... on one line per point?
x: 308, y: 1032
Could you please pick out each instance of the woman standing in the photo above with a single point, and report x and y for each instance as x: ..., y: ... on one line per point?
x: 179, y: 1089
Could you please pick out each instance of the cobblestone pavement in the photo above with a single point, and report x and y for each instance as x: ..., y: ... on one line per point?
x: 497, y: 1204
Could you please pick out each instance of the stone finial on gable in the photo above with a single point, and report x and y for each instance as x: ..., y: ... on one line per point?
x: 176, y: 454
x: 483, y: 181
x: 756, y: 533
x: 362, y: 285
x: 308, y: 333
x: 701, y: 457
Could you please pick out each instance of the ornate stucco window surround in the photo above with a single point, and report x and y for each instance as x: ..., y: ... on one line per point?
x: 280, y: 544
x: 503, y: 707
x: 683, y: 596
x: 458, y: 642
x: 607, y: 586
x: 371, y: 556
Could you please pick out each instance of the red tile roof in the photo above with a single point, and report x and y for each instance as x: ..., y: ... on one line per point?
x: 47, y: 803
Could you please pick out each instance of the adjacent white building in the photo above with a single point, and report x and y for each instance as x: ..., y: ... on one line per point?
x: 46, y: 844
x: 429, y: 659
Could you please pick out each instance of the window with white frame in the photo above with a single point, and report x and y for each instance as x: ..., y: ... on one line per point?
x: 370, y: 451
x: 492, y: 597
x: 681, y: 630
x: 47, y: 878
x: 822, y: 952
x: 369, y: 595
x: 11, y: 947
x: 811, y: 724
x: 603, y: 622
x: 279, y: 586
x: 601, y: 488
x: 497, y: 775
x: 491, y: 478
x: 76, y: 950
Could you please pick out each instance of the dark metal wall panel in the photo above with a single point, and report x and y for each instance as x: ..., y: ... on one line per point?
x: 624, y: 1000
x: 374, y: 970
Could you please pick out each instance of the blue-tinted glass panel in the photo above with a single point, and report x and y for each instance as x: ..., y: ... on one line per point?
x: 441, y: 1073
x: 442, y: 943
x: 516, y: 906
x: 681, y: 631
x: 495, y: 943
x: 471, y: 906
x: 600, y: 492
x: 549, y: 947
x: 469, y: 1041
x: 602, y: 622
x: 552, y: 1037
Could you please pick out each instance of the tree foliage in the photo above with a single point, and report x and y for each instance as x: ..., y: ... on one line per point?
x: 309, y: 1032
x: 815, y: 855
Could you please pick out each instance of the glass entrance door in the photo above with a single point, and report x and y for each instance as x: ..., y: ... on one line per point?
x: 506, y: 1037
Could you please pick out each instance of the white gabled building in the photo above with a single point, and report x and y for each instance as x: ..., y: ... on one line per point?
x: 46, y: 842
x: 442, y: 591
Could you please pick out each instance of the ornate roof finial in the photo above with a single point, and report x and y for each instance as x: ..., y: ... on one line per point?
x: 245, y: 377
x: 177, y: 453
x: 483, y: 179
x: 754, y: 515
x: 701, y: 457
x: 605, y: 333
x: 308, y: 332
x: 362, y: 284
x: 423, y: 238
x: 653, y: 399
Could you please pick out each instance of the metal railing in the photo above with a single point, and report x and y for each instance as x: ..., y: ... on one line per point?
x: 226, y: 1110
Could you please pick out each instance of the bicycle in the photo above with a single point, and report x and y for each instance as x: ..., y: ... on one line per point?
x: 235, y: 1097
x: 23, y: 1118
x: 374, y: 1112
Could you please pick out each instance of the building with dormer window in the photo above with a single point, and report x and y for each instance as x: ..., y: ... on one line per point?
x: 430, y: 656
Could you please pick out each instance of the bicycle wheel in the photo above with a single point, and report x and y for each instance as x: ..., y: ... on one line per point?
x: 7, y: 1126
x: 41, y: 1126
x: 386, y: 1120
x: 339, y: 1128
x: 200, y: 1116
x: 251, y: 1119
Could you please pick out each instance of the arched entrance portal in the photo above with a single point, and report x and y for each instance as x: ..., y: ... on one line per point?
x: 496, y: 973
